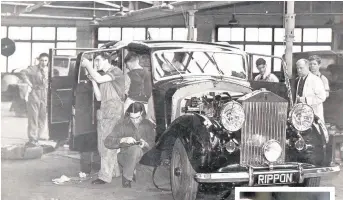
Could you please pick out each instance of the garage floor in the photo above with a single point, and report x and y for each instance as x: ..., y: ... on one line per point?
x: 32, y: 179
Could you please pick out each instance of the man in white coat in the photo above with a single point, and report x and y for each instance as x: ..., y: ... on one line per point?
x: 310, y: 88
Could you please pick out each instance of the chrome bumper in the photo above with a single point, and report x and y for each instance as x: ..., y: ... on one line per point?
x: 248, y: 176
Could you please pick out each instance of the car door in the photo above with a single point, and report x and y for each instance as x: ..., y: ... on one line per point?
x: 83, y: 136
x: 60, y: 96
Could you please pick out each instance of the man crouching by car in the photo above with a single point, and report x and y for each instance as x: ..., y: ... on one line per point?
x: 135, y: 135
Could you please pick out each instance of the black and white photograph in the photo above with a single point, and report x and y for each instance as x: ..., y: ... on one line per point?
x: 171, y: 100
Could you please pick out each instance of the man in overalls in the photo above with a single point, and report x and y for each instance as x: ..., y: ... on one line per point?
x: 36, y: 77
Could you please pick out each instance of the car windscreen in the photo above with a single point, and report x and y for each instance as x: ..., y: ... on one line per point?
x: 198, y: 62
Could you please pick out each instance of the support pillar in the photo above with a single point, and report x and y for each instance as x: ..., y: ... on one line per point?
x: 86, y: 36
x: 289, y: 34
x: 191, y: 24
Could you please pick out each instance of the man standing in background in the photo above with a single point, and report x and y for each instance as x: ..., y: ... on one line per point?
x: 37, y: 79
x: 310, y: 88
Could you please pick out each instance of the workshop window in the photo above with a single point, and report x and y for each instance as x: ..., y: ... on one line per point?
x: 324, y: 35
x: 130, y: 34
x: 109, y: 34
x: 38, y: 48
x: 237, y: 34
x: 19, y: 33
x: 43, y: 33
x: 238, y: 46
x: 3, y: 63
x: 182, y: 34
x: 3, y: 31
x: 279, y: 50
x: 159, y: 34
x: 259, y: 34
x: 21, y: 57
x: 279, y: 35
x: 66, y: 33
x: 316, y: 48
x: 224, y: 34
x: 317, y: 35
x: 66, y: 45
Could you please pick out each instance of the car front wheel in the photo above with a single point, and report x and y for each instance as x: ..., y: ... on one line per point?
x: 184, y: 186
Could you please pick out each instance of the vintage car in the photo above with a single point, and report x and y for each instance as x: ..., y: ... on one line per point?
x: 216, y: 127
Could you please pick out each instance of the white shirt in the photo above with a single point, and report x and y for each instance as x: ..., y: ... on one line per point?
x: 269, y: 77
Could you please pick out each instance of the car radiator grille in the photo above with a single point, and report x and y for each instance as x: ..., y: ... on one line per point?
x: 264, y: 121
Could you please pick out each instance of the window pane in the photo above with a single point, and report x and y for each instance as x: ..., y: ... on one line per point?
x: 127, y: 34
x: 3, y: 63
x: 237, y: 34
x: 251, y: 34
x: 21, y: 57
x: 38, y: 48
x: 260, y: 49
x: 324, y: 35
x: 139, y: 34
x: 66, y: 33
x: 160, y: 33
x: 180, y: 33
x: 265, y: 34
x: 310, y: 35
x: 238, y: 46
x: 224, y: 34
x: 104, y: 34
x: 279, y: 50
x: 19, y: 33
x: 43, y: 33
x: 297, y: 34
x: 66, y: 45
x: 115, y: 34
x: 279, y: 34
x: 3, y: 31
x: 316, y: 48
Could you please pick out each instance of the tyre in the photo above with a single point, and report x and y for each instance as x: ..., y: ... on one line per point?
x: 184, y: 186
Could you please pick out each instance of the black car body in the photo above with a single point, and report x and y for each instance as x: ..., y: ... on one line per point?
x: 214, y: 124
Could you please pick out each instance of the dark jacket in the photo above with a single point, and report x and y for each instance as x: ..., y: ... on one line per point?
x: 141, y: 86
x: 126, y: 128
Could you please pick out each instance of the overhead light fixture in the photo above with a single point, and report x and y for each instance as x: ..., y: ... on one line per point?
x: 330, y: 22
x: 166, y: 6
x: 94, y: 22
x: 233, y: 21
x: 121, y: 13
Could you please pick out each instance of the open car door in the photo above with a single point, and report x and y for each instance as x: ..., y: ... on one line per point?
x: 275, y: 65
x: 83, y: 137
x: 60, y: 94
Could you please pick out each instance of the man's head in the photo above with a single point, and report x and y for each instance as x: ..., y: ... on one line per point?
x: 136, y: 112
x: 303, y: 67
x: 102, y: 60
x: 261, y: 65
x: 178, y: 56
x: 314, y: 62
x: 132, y: 60
x: 43, y: 59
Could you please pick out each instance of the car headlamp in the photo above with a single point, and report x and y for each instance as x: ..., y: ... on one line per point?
x: 232, y: 116
x: 272, y: 151
x: 302, y: 117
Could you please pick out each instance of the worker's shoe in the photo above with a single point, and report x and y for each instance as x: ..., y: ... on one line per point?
x: 126, y: 183
x: 98, y: 181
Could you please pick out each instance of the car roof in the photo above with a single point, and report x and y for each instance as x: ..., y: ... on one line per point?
x: 158, y: 44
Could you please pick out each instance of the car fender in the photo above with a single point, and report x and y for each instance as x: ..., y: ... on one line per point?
x: 193, y: 131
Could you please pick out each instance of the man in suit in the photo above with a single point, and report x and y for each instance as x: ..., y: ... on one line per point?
x: 310, y: 88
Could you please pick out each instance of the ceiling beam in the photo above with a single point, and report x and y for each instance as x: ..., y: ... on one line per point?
x: 60, y: 7
x: 45, y: 16
x: 31, y: 8
x: 155, y: 12
x: 111, y: 4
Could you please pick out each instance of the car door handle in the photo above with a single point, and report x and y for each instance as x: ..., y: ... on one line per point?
x: 83, y: 81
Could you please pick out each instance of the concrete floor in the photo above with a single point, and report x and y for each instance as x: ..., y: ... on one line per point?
x: 32, y: 179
